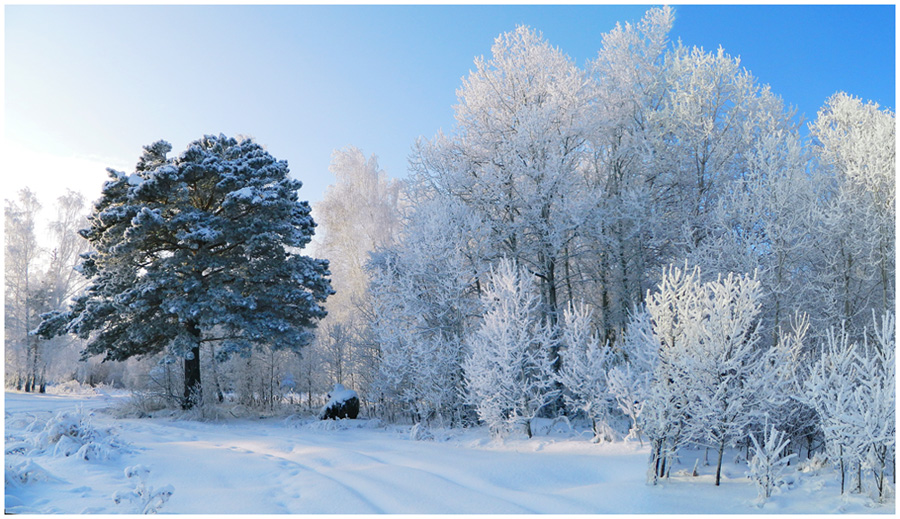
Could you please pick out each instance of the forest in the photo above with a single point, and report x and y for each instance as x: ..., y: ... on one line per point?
x: 653, y: 246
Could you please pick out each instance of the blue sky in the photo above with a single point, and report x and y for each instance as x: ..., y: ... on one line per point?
x: 87, y: 86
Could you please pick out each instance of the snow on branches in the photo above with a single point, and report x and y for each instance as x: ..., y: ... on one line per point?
x: 197, y: 248
x: 508, y: 372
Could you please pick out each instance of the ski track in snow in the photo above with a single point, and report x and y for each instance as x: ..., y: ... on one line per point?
x: 268, y: 466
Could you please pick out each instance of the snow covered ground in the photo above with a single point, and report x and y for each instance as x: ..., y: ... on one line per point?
x: 302, y: 466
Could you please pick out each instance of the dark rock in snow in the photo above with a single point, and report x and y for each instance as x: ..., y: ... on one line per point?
x: 342, y: 403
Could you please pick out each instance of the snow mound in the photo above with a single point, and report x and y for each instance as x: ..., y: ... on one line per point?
x: 340, y: 394
x: 21, y: 472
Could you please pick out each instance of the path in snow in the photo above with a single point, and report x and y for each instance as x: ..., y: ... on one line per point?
x: 272, y: 466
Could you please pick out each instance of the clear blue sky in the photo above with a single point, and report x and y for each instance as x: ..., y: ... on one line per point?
x: 97, y: 83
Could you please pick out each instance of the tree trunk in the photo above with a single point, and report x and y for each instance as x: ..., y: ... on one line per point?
x: 192, y: 388
x: 719, y: 464
x: 859, y: 488
x: 664, y: 454
x: 657, y: 452
x: 842, y: 469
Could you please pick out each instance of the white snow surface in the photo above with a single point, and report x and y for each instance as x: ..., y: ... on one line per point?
x: 340, y: 394
x: 304, y: 466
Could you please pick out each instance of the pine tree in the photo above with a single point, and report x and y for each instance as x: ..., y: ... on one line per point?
x: 199, y: 248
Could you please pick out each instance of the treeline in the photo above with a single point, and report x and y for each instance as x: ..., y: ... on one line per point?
x: 649, y: 238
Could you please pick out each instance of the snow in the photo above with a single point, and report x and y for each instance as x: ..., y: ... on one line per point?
x: 339, y: 395
x: 299, y: 465
x: 246, y: 194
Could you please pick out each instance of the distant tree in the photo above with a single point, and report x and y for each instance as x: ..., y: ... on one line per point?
x: 359, y: 213
x: 23, y: 298
x: 199, y: 248
x: 62, y: 277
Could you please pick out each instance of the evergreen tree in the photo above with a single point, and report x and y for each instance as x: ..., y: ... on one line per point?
x: 199, y: 248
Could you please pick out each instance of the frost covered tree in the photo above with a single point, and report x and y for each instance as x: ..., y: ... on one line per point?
x: 508, y: 371
x: 62, y: 277
x: 875, y: 399
x: 713, y: 379
x: 852, y: 389
x: 623, y: 240
x: 632, y: 367
x: 828, y: 388
x: 585, y: 362
x: 515, y: 157
x: 424, y: 297
x: 41, y: 276
x: 61, y: 280
x: 23, y: 299
x: 203, y: 247
x: 855, y: 261
x: 731, y: 372
x: 768, y: 461
x: 672, y: 309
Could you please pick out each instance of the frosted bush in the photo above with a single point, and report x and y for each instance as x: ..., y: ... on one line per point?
x: 814, y: 464
x: 339, y: 425
x: 420, y: 432
x: 71, y: 387
x: 146, y: 499
x: 140, y: 404
x: 767, y: 462
x: 73, y: 433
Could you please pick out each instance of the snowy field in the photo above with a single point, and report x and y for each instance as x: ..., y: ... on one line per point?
x: 301, y: 466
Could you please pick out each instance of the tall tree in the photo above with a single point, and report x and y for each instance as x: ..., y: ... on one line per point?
x: 516, y: 155
x: 855, y: 147
x: 198, y: 248
x: 626, y: 239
